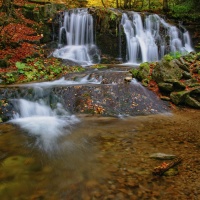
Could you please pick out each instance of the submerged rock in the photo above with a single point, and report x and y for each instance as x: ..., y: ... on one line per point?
x: 171, y: 172
x: 162, y: 156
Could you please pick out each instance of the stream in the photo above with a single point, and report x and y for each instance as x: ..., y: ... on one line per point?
x: 101, y: 158
x: 90, y: 135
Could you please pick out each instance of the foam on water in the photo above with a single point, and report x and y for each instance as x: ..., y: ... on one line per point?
x: 76, y: 38
x: 61, y: 82
x: 150, y: 39
x: 42, y: 122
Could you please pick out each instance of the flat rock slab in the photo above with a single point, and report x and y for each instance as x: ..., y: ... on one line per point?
x: 162, y: 156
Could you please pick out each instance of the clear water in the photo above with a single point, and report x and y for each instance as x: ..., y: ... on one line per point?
x: 82, y: 163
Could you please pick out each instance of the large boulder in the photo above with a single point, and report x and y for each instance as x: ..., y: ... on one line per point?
x: 179, y: 97
x: 178, y: 80
x: 165, y: 70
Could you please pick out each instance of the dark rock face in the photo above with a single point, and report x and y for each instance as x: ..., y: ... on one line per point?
x: 113, y: 95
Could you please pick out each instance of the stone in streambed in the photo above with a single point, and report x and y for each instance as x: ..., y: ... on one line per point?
x: 171, y: 172
x: 162, y: 156
x: 128, y: 79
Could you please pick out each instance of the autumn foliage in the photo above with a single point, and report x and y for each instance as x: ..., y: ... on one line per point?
x: 18, y: 38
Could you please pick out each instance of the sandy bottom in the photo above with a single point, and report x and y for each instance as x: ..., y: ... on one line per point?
x: 104, y: 158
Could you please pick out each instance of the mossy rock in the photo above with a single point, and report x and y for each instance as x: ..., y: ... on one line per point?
x: 166, y: 87
x: 179, y: 97
x: 178, y: 86
x: 145, y: 82
x: 29, y: 6
x: 165, y: 70
x: 143, y: 71
x: 43, y: 12
x: 171, y: 172
x: 134, y: 72
x: 46, y: 31
x: 186, y: 75
x: 191, y: 82
x: 195, y: 93
x: 190, y: 101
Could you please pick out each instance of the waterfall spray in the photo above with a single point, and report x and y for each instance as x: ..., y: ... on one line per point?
x: 76, y: 38
x: 150, y: 39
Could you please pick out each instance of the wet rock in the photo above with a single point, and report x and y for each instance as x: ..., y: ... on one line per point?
x: 165, y: 98
x: 179, y: 97
x: 191, y: 82
x: 6, y: 110
x: 192, y: 102
x: 178, y: 86
x: 171, y: 172
x: 186, y: 75
x: 182, y: 65
x: 166, y: 70
x: 166, y: 87
x: 162, y: 156
x: 143, y: 71
x: 128, y: 79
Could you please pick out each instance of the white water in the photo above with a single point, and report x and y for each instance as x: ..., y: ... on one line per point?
x: 62, y: 82
x: 77, y: 32
x: 43, y: 123
x: 152, y: 39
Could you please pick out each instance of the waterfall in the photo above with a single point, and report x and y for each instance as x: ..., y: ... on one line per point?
x: 44, y: 117
x: 42, y: 122
x: 150, y: 39
x: 76, y: 38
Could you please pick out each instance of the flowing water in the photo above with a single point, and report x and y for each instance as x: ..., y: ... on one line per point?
x: 150, y: 39
x: 52, y: 150
x: 76, y: 38
x: 97, y: 158
x: 47, y: 152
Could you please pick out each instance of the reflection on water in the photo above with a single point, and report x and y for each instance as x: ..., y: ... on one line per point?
x: 83, y: 167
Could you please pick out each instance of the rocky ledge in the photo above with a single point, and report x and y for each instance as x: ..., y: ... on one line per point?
x: 174, y: 79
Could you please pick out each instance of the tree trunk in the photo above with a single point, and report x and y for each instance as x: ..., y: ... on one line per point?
x: 165, y: 6
x: 103, y: 3
x: 125, y: 3
x: 117, y: 3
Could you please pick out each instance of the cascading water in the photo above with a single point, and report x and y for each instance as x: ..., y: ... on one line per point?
x: 39, y: 119
x: 76, y: 40
x: 152, y: 39
x: 42, y: 122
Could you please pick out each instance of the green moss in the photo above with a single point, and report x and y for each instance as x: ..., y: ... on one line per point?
x: 99, y: 66
x: 134, y: 72
x: 145, y: 82
x: 143, y: 71
x: 29, y: 6
x: 168, y: 57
